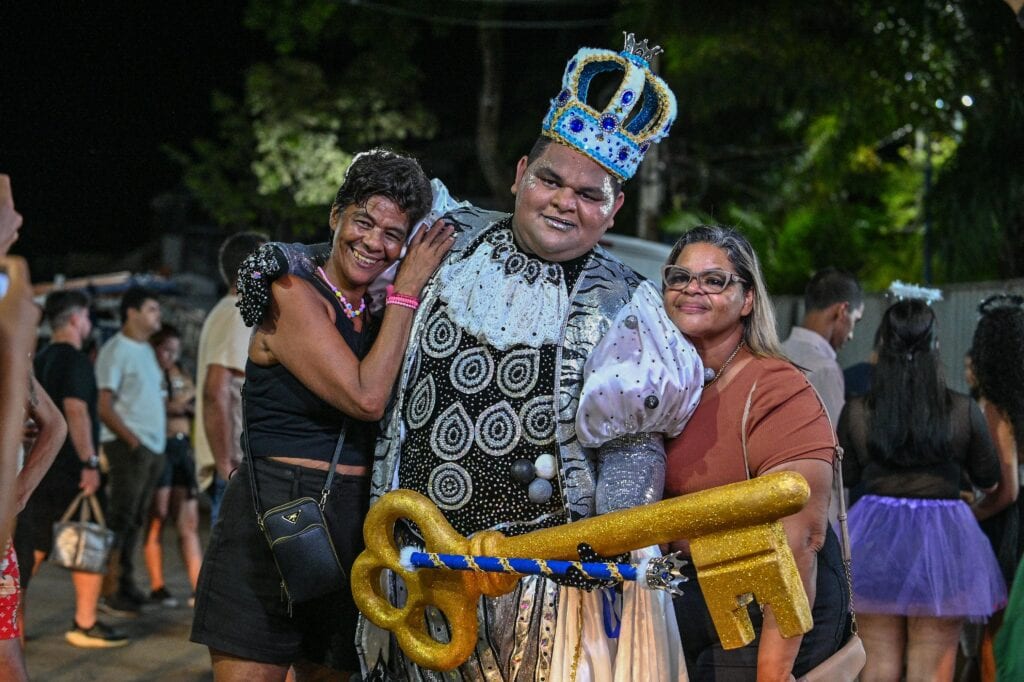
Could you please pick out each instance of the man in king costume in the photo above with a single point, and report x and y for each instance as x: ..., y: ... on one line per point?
x: 540, y: 379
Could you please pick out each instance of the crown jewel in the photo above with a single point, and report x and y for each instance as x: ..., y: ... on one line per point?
x: 640, y: 49
x: 617, y: 133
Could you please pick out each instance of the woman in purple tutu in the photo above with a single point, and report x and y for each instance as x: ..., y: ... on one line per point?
x: 921, y: 565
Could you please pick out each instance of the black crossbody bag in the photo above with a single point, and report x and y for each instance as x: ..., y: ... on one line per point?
x: 298, y: 536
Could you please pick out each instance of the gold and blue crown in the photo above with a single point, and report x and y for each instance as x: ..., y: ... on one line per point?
x: 638, y: 115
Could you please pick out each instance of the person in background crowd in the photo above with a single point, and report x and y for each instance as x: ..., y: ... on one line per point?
x: 996, y: 362
x: 220, y: 371
x: 833, y: 303
x: 21, y: 397
x: 131, y: 408
x: 921, y: 564
x: 66, y: 373
x: 757, y: 414
x: 175, y: 494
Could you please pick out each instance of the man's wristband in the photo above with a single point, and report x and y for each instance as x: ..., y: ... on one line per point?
x: 93, y: 462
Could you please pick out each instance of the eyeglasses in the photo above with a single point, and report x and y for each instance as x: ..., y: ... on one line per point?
x: 708, y: 281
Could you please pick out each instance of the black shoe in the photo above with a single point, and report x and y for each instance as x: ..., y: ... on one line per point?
x: 99, y: 636
x: 164, y: 598
x: 119, y: 605
x: 134, y: 594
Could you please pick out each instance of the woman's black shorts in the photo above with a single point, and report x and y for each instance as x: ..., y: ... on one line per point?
x: 239, y: 606
x: 180, y: 467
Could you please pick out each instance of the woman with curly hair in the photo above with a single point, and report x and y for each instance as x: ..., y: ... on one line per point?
x: 997, y: 362
x: 921, y: 565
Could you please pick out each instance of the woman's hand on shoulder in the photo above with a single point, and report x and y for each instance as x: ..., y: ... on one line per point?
x: 425, y: 252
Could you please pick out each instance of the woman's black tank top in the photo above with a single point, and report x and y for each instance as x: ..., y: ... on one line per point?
x: 286, y: 419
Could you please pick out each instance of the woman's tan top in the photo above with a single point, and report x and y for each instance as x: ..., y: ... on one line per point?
x: 786, y: 422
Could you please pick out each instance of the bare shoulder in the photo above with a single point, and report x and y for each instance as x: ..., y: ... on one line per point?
x: 296, y: 309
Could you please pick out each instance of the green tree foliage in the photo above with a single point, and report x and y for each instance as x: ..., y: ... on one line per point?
x: 284, y: 147
x: 812, y: 127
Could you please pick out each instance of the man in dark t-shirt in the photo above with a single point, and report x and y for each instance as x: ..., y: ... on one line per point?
x: 67, y: 375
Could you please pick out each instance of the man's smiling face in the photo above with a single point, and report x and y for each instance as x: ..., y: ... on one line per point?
x: 565, y: 202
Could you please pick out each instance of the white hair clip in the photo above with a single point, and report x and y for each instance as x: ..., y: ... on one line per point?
x: 901, y: 291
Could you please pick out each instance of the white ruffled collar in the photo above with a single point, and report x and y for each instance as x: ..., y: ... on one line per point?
x: 504, y: 297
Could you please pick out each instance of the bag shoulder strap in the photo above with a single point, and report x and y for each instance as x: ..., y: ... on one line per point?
x: 837, y: 489
x: 252, y: 472
x: 743, y: 429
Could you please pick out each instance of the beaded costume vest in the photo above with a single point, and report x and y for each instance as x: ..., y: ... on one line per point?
x: 594, y: 296
x: 480, y: 417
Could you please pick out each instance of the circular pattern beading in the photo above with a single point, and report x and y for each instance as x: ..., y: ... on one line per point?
x: 441, y: 337
x: 498, y: 430
x: 450, y: 486
x: 538, y: 419
x: 471, y: 370
x: 452, y: 434
x: 421, y: 403
x: 518, y: 372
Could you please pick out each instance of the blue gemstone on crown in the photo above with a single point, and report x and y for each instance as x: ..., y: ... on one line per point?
x: 617, y: 132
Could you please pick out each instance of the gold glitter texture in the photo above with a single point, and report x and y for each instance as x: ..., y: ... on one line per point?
x: 738, y: 547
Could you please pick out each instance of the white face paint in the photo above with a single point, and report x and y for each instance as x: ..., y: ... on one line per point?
x: 565, y: 202
x: 607, y: 196
x: 530, y: 181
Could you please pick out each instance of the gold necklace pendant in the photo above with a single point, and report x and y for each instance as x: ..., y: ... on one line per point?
x: 724, y: 365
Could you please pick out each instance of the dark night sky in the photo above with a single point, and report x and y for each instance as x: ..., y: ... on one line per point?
x: 89, y: 93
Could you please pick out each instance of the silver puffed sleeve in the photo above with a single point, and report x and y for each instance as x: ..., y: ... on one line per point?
x: 644, y: 376
x: 631, y: 472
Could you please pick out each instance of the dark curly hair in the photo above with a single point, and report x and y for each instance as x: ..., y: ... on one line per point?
x: 997, y: 357
x: 380, y: 172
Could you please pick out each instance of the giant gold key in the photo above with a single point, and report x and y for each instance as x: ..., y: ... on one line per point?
x: 737, y: 546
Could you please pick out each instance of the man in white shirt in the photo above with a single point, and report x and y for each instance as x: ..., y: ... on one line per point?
x: 223, y: 348
x: 134, y: 420
x: 834, y: 303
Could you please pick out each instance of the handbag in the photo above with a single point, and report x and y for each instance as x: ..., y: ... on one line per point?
x: 82, y: 545
x: 847, y: 662
x: 298, y: 537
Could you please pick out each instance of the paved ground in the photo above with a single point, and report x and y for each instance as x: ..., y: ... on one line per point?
x: 159, y: 649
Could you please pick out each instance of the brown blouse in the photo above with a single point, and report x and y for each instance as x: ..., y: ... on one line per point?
x: 786, y: 422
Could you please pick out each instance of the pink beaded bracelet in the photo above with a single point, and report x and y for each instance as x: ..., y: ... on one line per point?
x: 404, y: 300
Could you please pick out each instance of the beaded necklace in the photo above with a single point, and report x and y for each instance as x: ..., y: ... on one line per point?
x: 350, y: 312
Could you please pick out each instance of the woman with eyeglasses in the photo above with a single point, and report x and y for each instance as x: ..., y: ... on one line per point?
x: 921, y: 564
x: 758, y: 414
